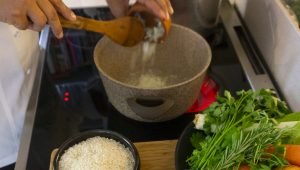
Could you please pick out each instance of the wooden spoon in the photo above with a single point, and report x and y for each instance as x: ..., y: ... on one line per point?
x: 126, y: 31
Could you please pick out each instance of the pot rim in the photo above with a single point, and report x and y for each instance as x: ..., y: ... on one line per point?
x: 204, y: 69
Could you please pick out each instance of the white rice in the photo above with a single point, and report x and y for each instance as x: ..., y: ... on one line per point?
x: 153, y: 34
x: 97, y: 153
x: 147, y: 80
x: 151, y: 81
x: 145, y: 56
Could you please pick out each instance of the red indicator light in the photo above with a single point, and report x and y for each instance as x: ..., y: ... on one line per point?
x: 67, y: 94
x: 66, y: 99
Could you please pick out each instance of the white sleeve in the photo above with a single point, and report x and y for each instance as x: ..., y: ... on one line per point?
x: 8, y: 144
x: 18, y: 61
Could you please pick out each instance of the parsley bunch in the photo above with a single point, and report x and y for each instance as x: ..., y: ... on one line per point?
x: 238, y: 130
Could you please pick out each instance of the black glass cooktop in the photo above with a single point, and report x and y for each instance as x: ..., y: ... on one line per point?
x: 72, y: 98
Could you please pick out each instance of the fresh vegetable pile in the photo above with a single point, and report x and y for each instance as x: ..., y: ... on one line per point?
x: 250, y: 129
x: 295, y: 6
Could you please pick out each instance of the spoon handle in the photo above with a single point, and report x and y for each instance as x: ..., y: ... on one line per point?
x: 126, y: 31
x: 85, y: 24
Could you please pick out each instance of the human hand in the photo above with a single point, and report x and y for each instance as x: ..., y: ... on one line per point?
x: 161, y: 8
x: 35, y: 14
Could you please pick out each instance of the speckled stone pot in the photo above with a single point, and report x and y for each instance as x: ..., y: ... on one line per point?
x: 183, y: 59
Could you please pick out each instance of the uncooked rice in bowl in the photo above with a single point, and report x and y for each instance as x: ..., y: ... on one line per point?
x: 97, y: 153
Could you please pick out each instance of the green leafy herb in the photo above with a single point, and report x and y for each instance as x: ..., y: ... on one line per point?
x: 196, y: 138
x: 232, y: 138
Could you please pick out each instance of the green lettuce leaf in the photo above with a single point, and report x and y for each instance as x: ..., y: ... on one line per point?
x: 292, y: 135
x: 290, y: 117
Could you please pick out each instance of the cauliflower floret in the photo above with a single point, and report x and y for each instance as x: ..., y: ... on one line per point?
x: 199, y: 121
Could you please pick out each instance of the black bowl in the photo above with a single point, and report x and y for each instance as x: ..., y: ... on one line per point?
x: 102, y: 133
x: 184, y: 147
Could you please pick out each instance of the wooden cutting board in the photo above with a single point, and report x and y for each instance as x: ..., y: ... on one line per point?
x: 157, y: 155
x: 154, y: 155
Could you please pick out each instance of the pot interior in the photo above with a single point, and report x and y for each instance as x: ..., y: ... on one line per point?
x: 183, y: 56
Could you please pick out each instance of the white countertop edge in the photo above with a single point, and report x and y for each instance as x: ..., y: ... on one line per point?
x: 76, y: 4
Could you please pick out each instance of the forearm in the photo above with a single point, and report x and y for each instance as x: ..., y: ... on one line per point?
x: 35, y: 14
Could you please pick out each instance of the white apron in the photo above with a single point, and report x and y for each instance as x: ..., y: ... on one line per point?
x: 18, y: 61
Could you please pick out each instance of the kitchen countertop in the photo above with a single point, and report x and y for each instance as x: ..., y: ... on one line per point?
x: 32, y: 105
